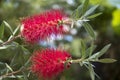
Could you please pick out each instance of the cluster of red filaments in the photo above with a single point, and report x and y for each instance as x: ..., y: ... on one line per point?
x: 42, y: 26
x: 49, y: 62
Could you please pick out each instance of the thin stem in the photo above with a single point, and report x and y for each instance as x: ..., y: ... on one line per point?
x: 9, y: 74
x: 76, y: 61
x: 12, y: 73
x: 67, y: 21
x: 9, y: 41
x: 18, y: 71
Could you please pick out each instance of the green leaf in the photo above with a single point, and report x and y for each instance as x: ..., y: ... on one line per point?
x: 25, y: 51
x: 90, y: 11
x: 4, y: 47
x: 25, y: 76
x: 9, y: 67
x: 107, y: 60
x: 77, y: 12
x: 1, y: 41
x: 94, y: 15
x: 83, y: 48
x: 9, y: 27
x: 85, y: 6
x: 89, y: 29
x: 14, y: 32
x: 90, y: 50
x: 104, y: 50
x: 89, y: 66
x: 15, y: 77
x: 100, y: 53
x: 1, y: 30
x: 92, y: 73
x: 14, y: 58
x: 80, y: 10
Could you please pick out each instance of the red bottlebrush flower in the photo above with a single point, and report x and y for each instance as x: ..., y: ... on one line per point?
x: 49, y: 62
x: 41, y: 26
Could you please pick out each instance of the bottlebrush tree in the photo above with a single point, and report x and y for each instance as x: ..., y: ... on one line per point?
x: 46, y: 63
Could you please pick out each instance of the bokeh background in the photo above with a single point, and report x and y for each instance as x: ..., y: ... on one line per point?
x: 107, y: 27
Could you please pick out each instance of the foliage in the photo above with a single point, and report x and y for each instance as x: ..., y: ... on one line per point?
x: 18, y: 53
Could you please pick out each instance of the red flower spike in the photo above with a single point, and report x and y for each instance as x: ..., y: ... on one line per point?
x: 49, y: 62
x: 41, y: 26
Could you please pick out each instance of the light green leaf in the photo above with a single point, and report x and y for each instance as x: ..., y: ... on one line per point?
x: 1, y: 30
x: 25, y: 76
x: 90, y: 11
x: 4, y: 47
x: 83, y: 48
x: 85, y: 6
x: 104, y: 50
x: 92, y: 73
x: 107, y: 60
x: 94, y: 56
x: 89, y: 29
x: 89, y: 66
x: 94, y: 15
x: 81, y: 63
x: 15, y: 76
x: 9, y: 67
x: 9, y: 27
x: 25, y: 51
x: 14, y: 32
x: 77, y: 12
x: 19, y: 76
x: 90, y: 50
x: 100, y: 53
x: 1, y: 41
x: 80, y: 10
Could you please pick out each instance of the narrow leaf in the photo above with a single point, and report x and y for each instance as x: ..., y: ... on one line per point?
x: 80, y: 10
x: 15, y: 57
x: 8, y: 67
x: 90, y: 50
x: 9, y: 27
x: 104, y: 50
x: 13, y: 77
x: 83, y: 48
x: 89, y: 29
x: 100, y: 53
x: 107, y: 60
x: 1, y: 30
x: 25, y: 51
x: 4, y: 47
x: 85, y: 6
x: 92, y: 73
x: 14, y: 32
x: 90, y: 11
x: 93, y: 16
x: 25, y: 76
x: 1, y: 41
x: 77, y: 12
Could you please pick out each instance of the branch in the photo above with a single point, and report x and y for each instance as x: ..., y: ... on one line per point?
x: 9, y: 41
x: 12, y: 73
x: 76, y: 61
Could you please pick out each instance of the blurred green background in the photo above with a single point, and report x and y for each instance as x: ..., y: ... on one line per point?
x: 107, y: 27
